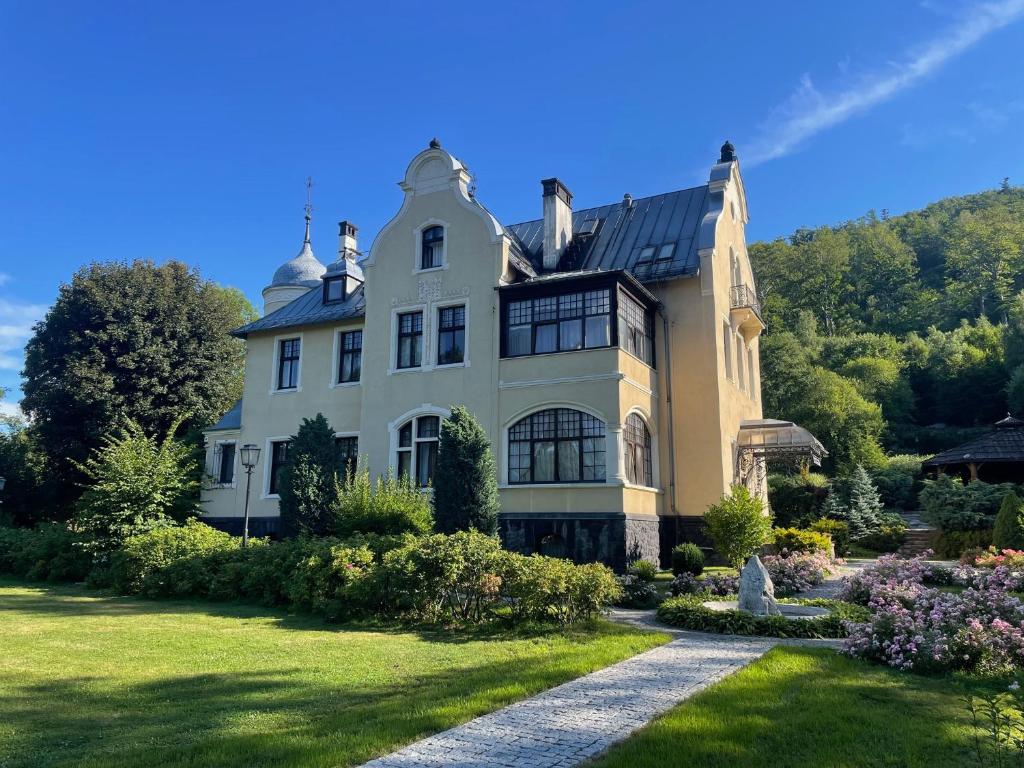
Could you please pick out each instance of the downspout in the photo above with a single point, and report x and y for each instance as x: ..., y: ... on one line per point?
x: 671, y: 419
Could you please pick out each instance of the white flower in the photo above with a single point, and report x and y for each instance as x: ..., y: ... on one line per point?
x: 1014, y: 686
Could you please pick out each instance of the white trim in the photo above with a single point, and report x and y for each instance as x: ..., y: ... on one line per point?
x: 359, y: 446
x: 506, y: 486
x: 218, y: 458
x: 267, y: 449
x: 435, y: 308
x: 425, y: 409
x: 393, y: 351
x: 417, y: 249
x: 274, y: 380
x: 575, y: 380
x: 335, y: 371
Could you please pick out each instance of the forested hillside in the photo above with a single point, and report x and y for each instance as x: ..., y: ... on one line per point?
x: 901, y: 334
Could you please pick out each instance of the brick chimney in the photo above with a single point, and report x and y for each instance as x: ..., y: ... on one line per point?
x: 557, y: 221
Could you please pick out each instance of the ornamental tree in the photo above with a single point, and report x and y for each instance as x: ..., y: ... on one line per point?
x: 309, y: 485
x: 465, y: 480
x: 738, y: 525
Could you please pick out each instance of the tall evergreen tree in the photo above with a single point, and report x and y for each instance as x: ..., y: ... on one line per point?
x: 310, y: 485
x: 465, y: 479
x: 865, y: 504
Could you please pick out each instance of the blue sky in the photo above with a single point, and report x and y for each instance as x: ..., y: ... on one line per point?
x: 186, y: 130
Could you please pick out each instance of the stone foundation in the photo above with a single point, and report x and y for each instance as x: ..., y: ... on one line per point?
x: 612, y: 539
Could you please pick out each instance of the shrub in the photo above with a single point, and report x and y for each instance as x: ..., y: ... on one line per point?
x: 637, y: 592
x: 643, y: 570
x: 837, y: 530
x: 717, y: 584
x: 688, y: 612
x: 390, y: 507
x: 797, y: 540
x: 538, y: 588
x: 796, y: 499
x: 137, y: 483
x: 738, y: 525
x: 899, y: 481
x: 687, y: 558
x: 993, y: 558
x: 309, y: 479
x: 950, y: 505
x: 1008, y: 532
x: 49, y: 552
x: 465, y: 480
x: 887, y: 537
x: 951, y: 544
x: 797, y: 571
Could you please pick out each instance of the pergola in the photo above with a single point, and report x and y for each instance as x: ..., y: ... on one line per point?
x: 761, y: 442
x: 995, y: 457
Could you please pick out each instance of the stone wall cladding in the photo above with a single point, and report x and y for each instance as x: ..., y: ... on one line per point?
x: 643, y: 540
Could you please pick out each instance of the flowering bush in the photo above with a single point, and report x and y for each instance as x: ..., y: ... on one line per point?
x: 719, y: 585
x: 1000, y: 577
x: 907, y: 575
x: 991, y: 558
x: 794, y: 572
x: 637, y: 592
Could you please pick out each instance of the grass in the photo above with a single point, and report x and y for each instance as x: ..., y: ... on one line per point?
x: 90, y: 680
x: 808, y: 708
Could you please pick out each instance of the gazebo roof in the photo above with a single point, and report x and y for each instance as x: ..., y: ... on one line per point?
x: 1005, y: 443
x: 774, y: 438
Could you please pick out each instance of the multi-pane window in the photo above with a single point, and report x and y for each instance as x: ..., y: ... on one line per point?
x: 432, y: 247
x: 226, y: 470
x: 636, y: 331
x: 417, y: 449
x: 348, y: 455
x: 451, y: 335
x: 334, y: 289
x: 278, y: 460
x: 288, y: 363
x: 350, y: 364
x: 558, y: 445
x: 638, y: 451
x: 410, y: 340
x: 571, y: 321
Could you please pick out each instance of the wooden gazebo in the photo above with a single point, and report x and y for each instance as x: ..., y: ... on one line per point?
x: 996, y: 457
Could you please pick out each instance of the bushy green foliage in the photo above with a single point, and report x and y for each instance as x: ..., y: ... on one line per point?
x: 389, y: 506
x: 887, y: 536
x: 465, y: 480
x: 950, y: 505
x: 899, y: 481
x: 687, y: 558
x: 136, y: 483
x: 1008, y: 532
x: 837, y: 530
x: 800, y: 540
x: 309, y: 480
x: 129, y: 341
x: 644, y: 570
x: 49, y: 552
x: 738, y: 525
x: 796, y: 500
x: 26, y: 495
x: 689, y: 612
x: 951, y: 545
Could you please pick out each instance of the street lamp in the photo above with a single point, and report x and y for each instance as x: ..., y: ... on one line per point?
x: 250, y: 457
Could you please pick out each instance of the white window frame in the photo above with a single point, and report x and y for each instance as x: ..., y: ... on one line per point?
x: 218, y: 457
x: 359, y: 463
x: 333, y: 382
x: 277, y: 361
x: 267, y: 453
x: 426, y: 409
x: 418, y: 246
x: 393, y: 351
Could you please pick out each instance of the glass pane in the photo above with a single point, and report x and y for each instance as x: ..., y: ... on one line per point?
x: 519, y: 462
x: 404, y: 460
x: 593, y: 459
x: 570, y: 334
x: 570, y: 305
x: 666, y: 251
x: 568, y: 423
x: 568, y: 461
x: 426, y: 455
x: 427, y: 426
x: 357, y: 365
x: 449, y: 347
x: 544, y: 424
x: 599, y: 331
x: 598, y: 302
x: 405, y: 352
x: 520, y: 312
x: 227, y: 463
x: 519, y: 339
x: 545, y: 309
x: 543, y: 462
x: 546, y: 339
x: 405, y: 435
x: 335, y: 289
x: 417, y: 350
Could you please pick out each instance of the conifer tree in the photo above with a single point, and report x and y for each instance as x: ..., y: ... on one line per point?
x: 865, y: 504
x: 309, y: 483
x: 1009, y: 527
x: 465, y: 479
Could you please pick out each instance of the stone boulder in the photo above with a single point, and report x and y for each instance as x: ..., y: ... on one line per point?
x: 757, y: 593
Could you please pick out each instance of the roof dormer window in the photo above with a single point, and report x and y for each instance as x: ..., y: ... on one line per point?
x: 334, y: 289
x: 432, y: 252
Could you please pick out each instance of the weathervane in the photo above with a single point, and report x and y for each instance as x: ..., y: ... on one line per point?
x: 309, y: 203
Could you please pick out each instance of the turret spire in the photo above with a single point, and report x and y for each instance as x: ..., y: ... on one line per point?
x: 309, y: 205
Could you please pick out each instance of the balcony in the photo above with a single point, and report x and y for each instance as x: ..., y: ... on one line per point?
x: 745, y: 311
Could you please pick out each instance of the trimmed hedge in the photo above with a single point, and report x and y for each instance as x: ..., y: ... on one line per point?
x: 837, y: 530
x: 689, y: 612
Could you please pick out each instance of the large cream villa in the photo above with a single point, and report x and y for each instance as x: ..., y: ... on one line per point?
x: 611, y: 353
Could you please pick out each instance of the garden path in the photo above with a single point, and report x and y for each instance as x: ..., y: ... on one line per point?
x: 567, y: 725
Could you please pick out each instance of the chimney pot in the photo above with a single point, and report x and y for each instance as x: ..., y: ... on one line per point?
x: 347, y: 239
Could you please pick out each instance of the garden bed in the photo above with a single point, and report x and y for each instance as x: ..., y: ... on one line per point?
x: 689, y: 612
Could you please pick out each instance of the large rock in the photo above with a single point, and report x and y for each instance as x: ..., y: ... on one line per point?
x: 757, y: 593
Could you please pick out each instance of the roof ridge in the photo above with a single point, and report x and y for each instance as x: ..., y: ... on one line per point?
x: 617, y: 202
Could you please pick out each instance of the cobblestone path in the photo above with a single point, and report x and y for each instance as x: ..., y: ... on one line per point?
x: 569, y: 724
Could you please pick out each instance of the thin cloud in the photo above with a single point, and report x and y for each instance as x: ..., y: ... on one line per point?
x: 809, y: 112
x: 16, y: 321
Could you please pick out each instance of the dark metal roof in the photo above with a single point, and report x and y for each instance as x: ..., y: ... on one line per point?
x: 230, y: 420
x: 308, y: 309
x: 1005, y: 443
x: 620, y: 233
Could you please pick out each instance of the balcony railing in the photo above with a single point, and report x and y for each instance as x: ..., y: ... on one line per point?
x: 743, y: 297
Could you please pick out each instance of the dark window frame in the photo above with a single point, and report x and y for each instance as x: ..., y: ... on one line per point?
x: 414, y: 334
x: 636, y: 328
x: 455, y: 327
x: 412, y: 442
x: 348, y: 447
x: 289, y: 356
x: 639, y: 451
x: 278, y: 460
x: 353, y: 353
x: 546, y: 426
x: 328, y: 282
x: 226, y: 465
x: 432, y: 243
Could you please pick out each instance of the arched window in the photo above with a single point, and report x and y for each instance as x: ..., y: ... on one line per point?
x: 558, y: 445
x: 417, y: 449
x: 432, y: 247
x: 638, y: 452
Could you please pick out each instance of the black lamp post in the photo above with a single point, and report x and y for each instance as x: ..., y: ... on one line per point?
x: 250, y: 455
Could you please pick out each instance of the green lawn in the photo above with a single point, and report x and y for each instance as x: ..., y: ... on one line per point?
x: 808, y: 708
x: 89, y: 680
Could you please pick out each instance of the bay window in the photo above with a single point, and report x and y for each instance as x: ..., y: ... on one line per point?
x: 557, y: 445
